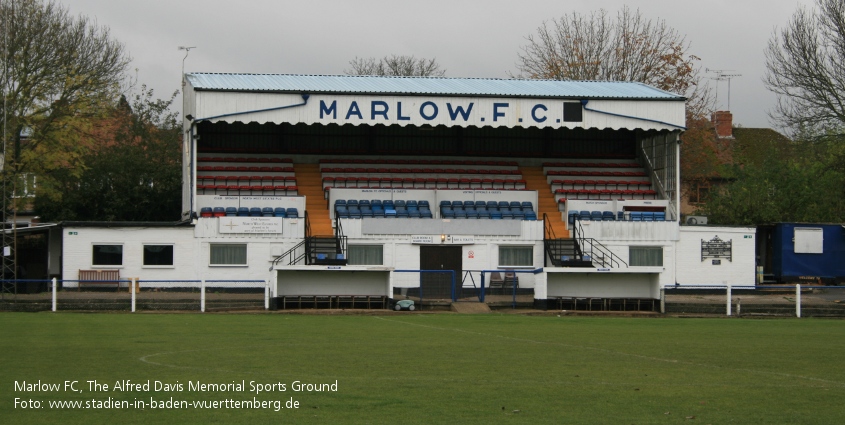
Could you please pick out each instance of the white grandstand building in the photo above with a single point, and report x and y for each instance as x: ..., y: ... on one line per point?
x: 387, y: 187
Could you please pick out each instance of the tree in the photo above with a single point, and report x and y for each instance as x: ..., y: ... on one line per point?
x: 58, y: 71
x: 396, y: 66
x: 805, y: 67
x: 627, y: 48
x: 795, y: 182
x: 133, y: 174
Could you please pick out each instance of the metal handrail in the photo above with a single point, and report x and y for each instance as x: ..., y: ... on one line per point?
x: 595, y: 245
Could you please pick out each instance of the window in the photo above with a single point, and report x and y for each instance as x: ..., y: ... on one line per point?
x: 516, y: 256
x: 645, y: 256
x: 227, y: 254
x: 107, y: 255
x: 699, y: 192
x: 158, y: 255
x: 809, y: 240
x: 371, y: 255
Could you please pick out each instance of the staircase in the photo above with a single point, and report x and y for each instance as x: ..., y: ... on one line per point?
x: 309, y: 183
x: 536, y: 180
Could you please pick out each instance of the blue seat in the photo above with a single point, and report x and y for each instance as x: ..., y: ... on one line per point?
x: 636, y: 216
x: 424, y: 203
x: 399, y: 203
x: 354, y: 211
x: 414, y: 214
x: 352, y: 202
x: 480, y: 204
x: 504, y: 206
x: 648, y: 216
x: 620, y: 216
x: 572, y: 216
x: 495, y: 215
x: 206, y: 212
x: 243, y: 212
x: 527, y: 206
x: 531, y: 215
x: 411, y: 203
x: 426, y: 214
x: 450, y: 213
x: 483, y: 213
x: 388, y: 204
x: 507, y: 215
x: 460, y: 214
x: 584, y: 215
x: 340, y: 202
x: 375, y: 202
x: 445, y: 203
x: 518, y: 215
x: 292, y: 213
x: 515, y: 206
x: 389, y: 213
x: 402, y: 213
x: 608, y: 216
x: 219, y: 212
x: 366, y: 211
x: 492, y: 205
x: 458, y: 204
x: 595, y: 216
x: 231, y: 211
x: 660, y: 216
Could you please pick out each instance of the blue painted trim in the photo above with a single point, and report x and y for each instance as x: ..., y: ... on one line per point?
x: 305, y: 97
x: 585, y: 101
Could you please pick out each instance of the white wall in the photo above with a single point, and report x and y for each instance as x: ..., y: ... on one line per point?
x: 692, y: 270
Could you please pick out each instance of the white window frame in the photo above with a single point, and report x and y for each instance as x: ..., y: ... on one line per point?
x: 501, y: 265
x: 246, y: 254
x: 108, y: 266
x: 655, y: 247
x: 158, y: 266
x: 381, y: 262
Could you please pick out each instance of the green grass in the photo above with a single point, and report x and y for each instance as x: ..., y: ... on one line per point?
x: 435, y: 368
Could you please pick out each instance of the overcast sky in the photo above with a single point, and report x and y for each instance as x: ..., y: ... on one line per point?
x: 468, y: 38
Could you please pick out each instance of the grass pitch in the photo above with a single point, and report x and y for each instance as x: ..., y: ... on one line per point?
x: 420, y: 368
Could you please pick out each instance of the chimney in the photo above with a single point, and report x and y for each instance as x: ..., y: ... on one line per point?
x: 723, y: 121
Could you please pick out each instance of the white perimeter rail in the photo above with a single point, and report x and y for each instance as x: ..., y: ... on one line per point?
x: 134, y: 284
x: 728, y: 297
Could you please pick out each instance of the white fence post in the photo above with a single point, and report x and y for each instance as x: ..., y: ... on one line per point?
x: 54, y: 293
x: 662, y: 300
x: 202, y: 295
x: 133, y: 287
x: 729, y: 300
x: 798, y: 300
x: 266, y: 295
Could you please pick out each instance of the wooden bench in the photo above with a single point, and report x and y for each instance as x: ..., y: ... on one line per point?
x: 99, y: 277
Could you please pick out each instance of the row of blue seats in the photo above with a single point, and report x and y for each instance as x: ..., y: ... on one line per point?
x: 620, y: 216
x: 249, y: 212
x: 484, y: 213
x: 386, y: 204
x: 353, y: 212
x: 501, y: 206
x: 354, y: 208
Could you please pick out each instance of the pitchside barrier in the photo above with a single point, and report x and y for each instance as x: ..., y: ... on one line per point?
x: 433, y: 285
x: 133, y: 294
x: 502, y: 281
x: 770, y: 300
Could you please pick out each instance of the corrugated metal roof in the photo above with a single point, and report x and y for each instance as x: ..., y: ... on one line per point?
x: 349, y: 84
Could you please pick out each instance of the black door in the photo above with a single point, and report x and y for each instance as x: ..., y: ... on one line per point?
x: 439, y: 285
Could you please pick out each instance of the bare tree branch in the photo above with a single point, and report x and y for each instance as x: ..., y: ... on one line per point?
x: 805, y: 67
x: 396, y: 65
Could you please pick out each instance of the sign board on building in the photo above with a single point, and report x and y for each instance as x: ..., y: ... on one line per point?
x: 716, y: 248
x: 250, y: 225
